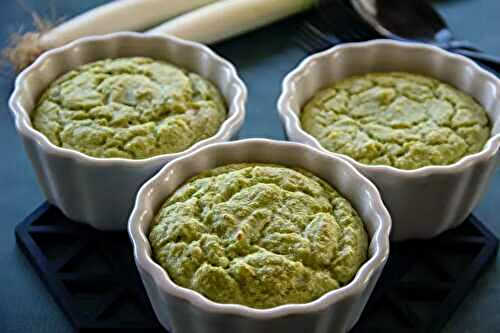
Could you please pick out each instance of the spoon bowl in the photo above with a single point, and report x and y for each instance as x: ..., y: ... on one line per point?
x: 417, y: 21
x: 410, y: 19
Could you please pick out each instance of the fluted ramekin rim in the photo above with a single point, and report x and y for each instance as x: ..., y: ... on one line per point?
x: 229, y: 127
x: 291, y: 121
x: 379, y: 240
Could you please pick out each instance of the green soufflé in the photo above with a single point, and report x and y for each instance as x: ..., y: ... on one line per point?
x: 259, y: 235
x: 403, y: 120
x: 130, y: 108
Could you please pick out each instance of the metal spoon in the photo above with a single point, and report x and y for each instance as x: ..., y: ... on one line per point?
x: 417, y: 20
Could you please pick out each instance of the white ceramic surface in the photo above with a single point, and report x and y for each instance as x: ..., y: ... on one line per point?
x: 101, y: 191
x: 183, y: 310
x: 422, y: 202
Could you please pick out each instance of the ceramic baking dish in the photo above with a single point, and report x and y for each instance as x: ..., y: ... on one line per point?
x: 101, y: 191
x: 184, y: 310
x: 422, y: 202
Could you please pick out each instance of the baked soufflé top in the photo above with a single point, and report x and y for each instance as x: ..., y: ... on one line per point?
x: 131, y: 108
x: 403, y: 120
x: 259, y: 235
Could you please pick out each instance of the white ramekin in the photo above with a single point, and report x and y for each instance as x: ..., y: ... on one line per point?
x: 183, y: 310
x: 422, y: 202
x: 101, y: 191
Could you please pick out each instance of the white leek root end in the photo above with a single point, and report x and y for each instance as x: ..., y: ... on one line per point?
x: 25, y: 48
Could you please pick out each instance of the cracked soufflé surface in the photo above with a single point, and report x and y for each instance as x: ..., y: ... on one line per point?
x: 130, y: 107
x: 404, y: 120
x: 260, y: 235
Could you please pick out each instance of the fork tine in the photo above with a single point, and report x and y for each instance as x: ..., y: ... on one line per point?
x: 359, y: 24
x: 338, y: 17
x: 310, y: 40
x: 326, y: 39
x: 332, y: 19
x: 303, y: 40
x: 304, y: 44
x: 322, y: 40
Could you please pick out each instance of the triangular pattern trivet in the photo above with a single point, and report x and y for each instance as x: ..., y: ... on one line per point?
x: 92, y: 276
x: 90, y: 273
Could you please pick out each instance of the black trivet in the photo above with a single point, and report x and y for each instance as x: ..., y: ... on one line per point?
x: 92, y: 276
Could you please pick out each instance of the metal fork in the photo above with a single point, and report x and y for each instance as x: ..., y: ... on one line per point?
x: 336, y: 21
x: 337, y: 17
x: 312, y: 40
x: 333, y: 22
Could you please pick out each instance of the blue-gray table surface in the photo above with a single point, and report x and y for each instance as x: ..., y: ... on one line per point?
x: 263, y: 58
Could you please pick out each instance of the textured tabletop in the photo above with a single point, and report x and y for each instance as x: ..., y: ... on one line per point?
x: 263, y: 58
